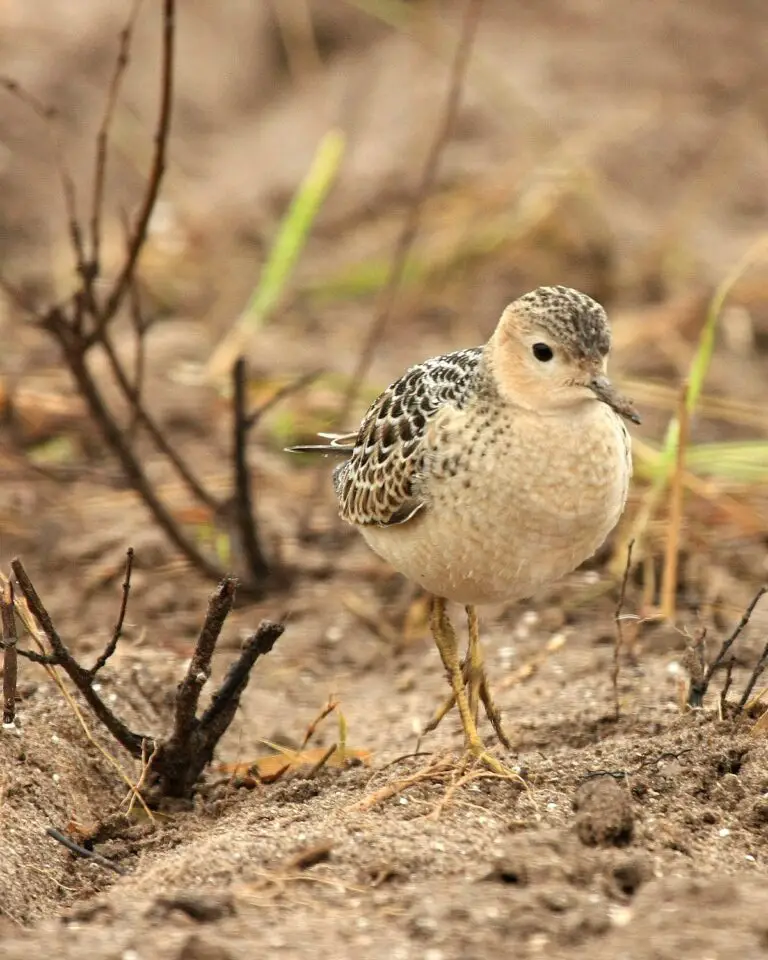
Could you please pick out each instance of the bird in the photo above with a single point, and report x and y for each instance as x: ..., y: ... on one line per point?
x: 485, y: 474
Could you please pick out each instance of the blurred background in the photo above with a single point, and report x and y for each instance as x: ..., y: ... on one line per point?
x: 620, y: 148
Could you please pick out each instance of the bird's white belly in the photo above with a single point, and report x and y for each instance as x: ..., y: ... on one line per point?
x: 519, y: 516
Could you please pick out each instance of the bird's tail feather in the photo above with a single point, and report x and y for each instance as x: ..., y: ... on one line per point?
x: 341, y: 444
x: 319, y: 448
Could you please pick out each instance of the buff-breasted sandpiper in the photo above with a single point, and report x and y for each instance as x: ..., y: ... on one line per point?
x: 487, y: 473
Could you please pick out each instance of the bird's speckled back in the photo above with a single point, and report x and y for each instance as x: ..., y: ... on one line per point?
x: 378, y: 484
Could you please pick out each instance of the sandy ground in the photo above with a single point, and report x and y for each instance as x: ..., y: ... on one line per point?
x: 620, y: 149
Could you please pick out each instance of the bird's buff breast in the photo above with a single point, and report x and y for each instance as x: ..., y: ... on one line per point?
x: 512, y: 505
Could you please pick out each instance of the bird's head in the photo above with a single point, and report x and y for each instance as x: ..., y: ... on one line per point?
x: 550, y: 352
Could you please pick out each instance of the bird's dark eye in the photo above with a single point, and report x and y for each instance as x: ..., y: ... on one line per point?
x: 542, y: 352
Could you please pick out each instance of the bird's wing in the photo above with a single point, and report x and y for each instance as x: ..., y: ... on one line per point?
x: 380, y: 482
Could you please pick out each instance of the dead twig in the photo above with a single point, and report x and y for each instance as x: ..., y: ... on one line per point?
x: 79, y: 676
x: 696, y: 664
x: 140, y: 326
x: 318, y: 766
x: 117, y: 632
x: 48, y: 115
x: 757, y: 672
x: 138, y: 234
x: 312, y: 728
x: 436, y: 771
x: 245, y: 525
x: 470, y: 23
x: 176, y: 763
x: 102, y: 138
x: 279, y: 395
x: 310, y: 856
x: 224, y: 702
x: 618, y: 645
x: 199, y: 669
x: 81, y: 322
x: 728, y: 643
x: 180, y: 762
x: 84, y: 852
x: 129, y: 460
x: 10, y: 658
x: 726, y: 687
x: 141, y: 416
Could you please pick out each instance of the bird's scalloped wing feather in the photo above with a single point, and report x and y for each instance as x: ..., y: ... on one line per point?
x: 380, y: 483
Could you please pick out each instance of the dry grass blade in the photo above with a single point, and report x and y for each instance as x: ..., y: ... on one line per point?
x: 618, y: 646
x: 435, y: 771
x: 672, y: 553
x: 696, y: 376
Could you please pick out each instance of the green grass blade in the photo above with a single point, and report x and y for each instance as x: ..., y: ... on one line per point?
x: 289, y: 243
x: 699, y: 367
x: 295, y: 228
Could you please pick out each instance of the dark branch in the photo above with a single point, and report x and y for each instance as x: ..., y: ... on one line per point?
x: 83, y: 852
x: 78, y: 675
x: 10, y: 658
x: 731, y: 639
x: 245, y: 523
x: 288, y: 390
x: 140, y: 327
x: 753, y: 678
x: 142, y: 416
x: 118, y: 631
x: 470, y: 23
x: 102, y: 139
x: 695, y: 661
x: 48, y: 115
x: 199, y: 670
x: 44, y: 660
x: 180, y: 762
x: 618, y: 645
x: 139, y: 232
x: 218, y: 716
x: 177, y: 762
x: 128, y: 460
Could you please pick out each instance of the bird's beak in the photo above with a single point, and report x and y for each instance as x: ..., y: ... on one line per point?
x: 604, y: 390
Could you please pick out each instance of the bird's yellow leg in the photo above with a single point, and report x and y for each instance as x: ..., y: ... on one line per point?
x: 445, y: 640
x: 474, y: 662
x: 478, y: 681
x: 479, y: 691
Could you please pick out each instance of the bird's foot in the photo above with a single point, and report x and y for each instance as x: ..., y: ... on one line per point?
x: 492, y: 763
x: 477, y: 687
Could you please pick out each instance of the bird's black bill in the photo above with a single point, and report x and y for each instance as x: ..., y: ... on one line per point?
x: 604, y: 390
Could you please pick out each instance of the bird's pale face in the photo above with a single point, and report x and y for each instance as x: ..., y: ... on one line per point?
x: 549, y: 364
